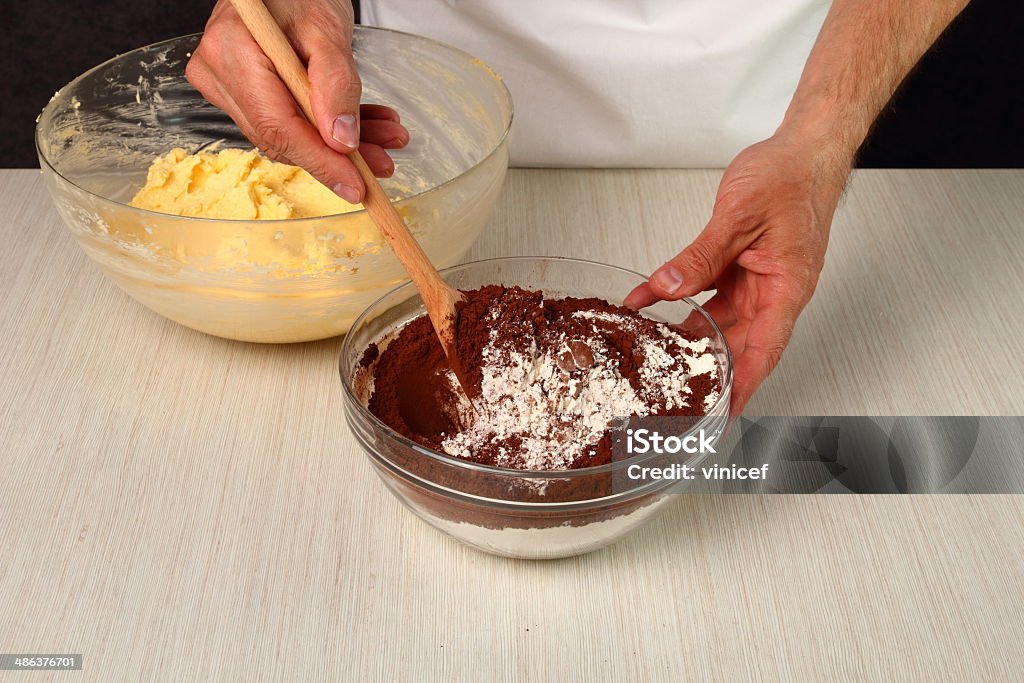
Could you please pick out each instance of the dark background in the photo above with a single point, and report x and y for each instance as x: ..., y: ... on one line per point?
x: 961, y: 107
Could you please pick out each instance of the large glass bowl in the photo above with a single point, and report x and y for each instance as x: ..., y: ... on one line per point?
x: 270, y: 281
x: 515, y: 513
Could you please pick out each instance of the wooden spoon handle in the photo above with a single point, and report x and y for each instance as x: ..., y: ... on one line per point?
x: 436, y: 293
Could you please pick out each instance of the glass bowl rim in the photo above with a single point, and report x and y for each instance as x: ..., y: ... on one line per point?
x: 351, y: 397
x: 359, y: 28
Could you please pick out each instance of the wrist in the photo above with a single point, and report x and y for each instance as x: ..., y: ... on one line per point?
x: 828, y: 144
x: 825, y: 131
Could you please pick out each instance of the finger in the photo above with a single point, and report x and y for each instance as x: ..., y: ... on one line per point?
x: 280, y: 130
x: 378, y: 111
x: 202, y: 77
x: 696, y: 268
x: 377, y: 159
x: 384, y: 133
x: 718, y: 307
x: 228, y: 105
x: 766, y: 339
x: 225, y: 50
x: 640, y: 297
x: 334, y: 85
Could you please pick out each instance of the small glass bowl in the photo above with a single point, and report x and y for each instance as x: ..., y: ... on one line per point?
x: 270, y: 281
x: 517, y: 513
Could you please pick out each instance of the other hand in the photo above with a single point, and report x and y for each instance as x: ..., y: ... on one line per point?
x: 762, y: 250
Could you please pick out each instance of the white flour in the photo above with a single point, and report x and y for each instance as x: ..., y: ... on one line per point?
x: 559, y: 403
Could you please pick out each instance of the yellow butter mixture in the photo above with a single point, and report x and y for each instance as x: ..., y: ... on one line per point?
x: 235, y: 184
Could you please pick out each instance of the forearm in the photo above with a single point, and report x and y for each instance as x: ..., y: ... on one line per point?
x: 863, y: 52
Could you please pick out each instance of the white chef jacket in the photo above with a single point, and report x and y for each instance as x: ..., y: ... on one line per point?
x: 628, y: 83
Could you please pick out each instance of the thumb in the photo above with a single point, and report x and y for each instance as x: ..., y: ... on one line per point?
x: 335, y: 92
x: 695, y: 268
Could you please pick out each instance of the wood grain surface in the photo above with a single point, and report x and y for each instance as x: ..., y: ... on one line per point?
x: 179, y: 507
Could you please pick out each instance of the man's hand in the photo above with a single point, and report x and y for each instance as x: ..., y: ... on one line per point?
x: 231, y: 71
x: 762, y: 250
x: 765, y: 243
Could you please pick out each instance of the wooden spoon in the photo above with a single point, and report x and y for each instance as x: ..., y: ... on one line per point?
x: 439, y: 297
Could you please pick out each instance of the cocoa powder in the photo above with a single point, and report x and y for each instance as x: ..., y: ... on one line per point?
x: 414, y: 392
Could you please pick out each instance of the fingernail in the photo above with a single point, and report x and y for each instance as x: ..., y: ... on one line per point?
x: 668, y: 278
x: 347, y: 192
x: 346, y: 130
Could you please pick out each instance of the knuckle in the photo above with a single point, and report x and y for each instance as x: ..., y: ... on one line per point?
x: 336, y: 81
x: 273, y: 155
x: 272, y: 137
x: 211, y: 45
x: 332, y: 19
x: 735, y: 203
x: 805, y: 276
x: 347, y: 81
x: 208, y: 55
x: 699, y: 257
x: 355, y: 82
x: 773, y: 354
x: 802, y: 270
x: 194, y: 71
x: 345, y: 11
x: 318, y: 170
x: 320, y: 15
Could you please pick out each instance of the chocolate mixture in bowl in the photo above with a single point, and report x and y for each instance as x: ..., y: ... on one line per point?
x: 545, y: 377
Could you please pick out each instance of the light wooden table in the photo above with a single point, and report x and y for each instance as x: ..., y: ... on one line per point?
x: 179, y: 507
